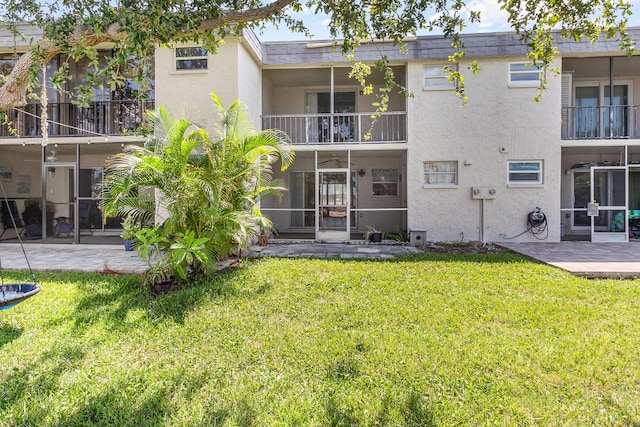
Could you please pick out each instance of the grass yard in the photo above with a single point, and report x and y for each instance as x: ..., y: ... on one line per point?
x: 428, y: 340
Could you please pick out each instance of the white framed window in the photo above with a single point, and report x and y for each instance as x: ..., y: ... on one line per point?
x: 440, y: 173
x: 596, y: 114
x: 527, y: 172
x: 524, y: 74
x: 6, y: 65
x: 192, y: 58
x: 436, y: 78
x: 385, y: 182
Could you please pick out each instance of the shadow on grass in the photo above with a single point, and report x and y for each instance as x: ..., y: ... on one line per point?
x: 153, y: 408
x: 8, y: 333
x: 115, y: 405
x: 112, y: 303
x: 414, y: 412
x: 39, y: 377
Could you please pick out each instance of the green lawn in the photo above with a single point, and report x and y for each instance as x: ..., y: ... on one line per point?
x: 428, y: 340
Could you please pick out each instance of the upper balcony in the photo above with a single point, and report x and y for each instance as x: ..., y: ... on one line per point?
x: 340, y: 128
x: 591, y: 110
x: 324, y: 106
x: 67, y: 119
x: 608, y: 122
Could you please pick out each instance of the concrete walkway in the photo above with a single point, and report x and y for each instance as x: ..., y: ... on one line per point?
x: 586, y: 259
x: 97, y: 258
x: 69, y: 257
x: 593, y: 260
x: 304, y: 248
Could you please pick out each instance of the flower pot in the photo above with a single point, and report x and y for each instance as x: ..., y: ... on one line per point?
x: 128, y: 245
x: 163, y: 287
x: 375, y: 237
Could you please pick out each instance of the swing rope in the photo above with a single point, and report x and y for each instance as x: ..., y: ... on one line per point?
x: 15, y: 227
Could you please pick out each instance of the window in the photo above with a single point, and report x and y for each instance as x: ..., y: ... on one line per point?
x: 527, y: 173
x: 441, y: 173
x: 191, y: 58
x: 6, y: 65
x: 597, y: 115
x: 524, y: 74
x: 436, y: 78
x: 385, y: 182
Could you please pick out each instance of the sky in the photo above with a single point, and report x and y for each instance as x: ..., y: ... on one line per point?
x: 493, y: 20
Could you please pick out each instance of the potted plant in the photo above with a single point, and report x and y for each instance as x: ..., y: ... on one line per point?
x: 151, y: 246
x: 158, y: 278
x: 373, y: 234
x: 176, y: 256
x: 129, y: 229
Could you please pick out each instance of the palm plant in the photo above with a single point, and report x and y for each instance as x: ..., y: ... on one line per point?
x: 206, y: 187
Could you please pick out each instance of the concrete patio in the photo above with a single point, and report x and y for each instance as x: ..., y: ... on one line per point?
x: 586, y: 259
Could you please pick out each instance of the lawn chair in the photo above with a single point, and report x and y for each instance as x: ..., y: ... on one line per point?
x: 9, y: 211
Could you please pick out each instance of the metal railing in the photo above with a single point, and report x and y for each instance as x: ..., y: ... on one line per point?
x: 389, y: 127
x: 67, y: 119
x: 602, y: 122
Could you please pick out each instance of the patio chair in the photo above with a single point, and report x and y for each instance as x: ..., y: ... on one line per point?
x: 9, y: 210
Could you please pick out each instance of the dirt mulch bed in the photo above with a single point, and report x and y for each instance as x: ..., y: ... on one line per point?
x: 472, y: 247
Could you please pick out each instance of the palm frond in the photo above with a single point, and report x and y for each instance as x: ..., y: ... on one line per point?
x: 209, y: 186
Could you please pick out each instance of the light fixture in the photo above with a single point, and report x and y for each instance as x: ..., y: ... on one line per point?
x: 361, y: 172
x: 52, y: 158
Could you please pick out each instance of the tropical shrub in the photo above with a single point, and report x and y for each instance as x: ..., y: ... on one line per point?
x: 206, y: 186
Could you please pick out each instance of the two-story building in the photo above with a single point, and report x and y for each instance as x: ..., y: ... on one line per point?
x: 63, y: 172
x: 426, y: 163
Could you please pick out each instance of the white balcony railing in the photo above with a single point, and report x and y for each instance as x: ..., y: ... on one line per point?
x: 600, y: 122
x: 389, y: 127
x: 67, y: 119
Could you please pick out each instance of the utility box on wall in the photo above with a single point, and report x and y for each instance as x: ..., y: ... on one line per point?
x: 483, y: 193
x: 418, y: 237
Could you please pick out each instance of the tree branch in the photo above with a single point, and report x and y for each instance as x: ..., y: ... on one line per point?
x: 242, y: 16
x: 14, y: 91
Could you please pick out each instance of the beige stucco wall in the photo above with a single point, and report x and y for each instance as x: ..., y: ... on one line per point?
x: 187, y: 93
x: 232, y: 74
x: 249, y: 84
x: 482, y: 134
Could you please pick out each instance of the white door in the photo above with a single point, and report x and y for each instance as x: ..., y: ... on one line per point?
x: 609, y: 189
x: 333, y: 207
x: 60, y: 191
